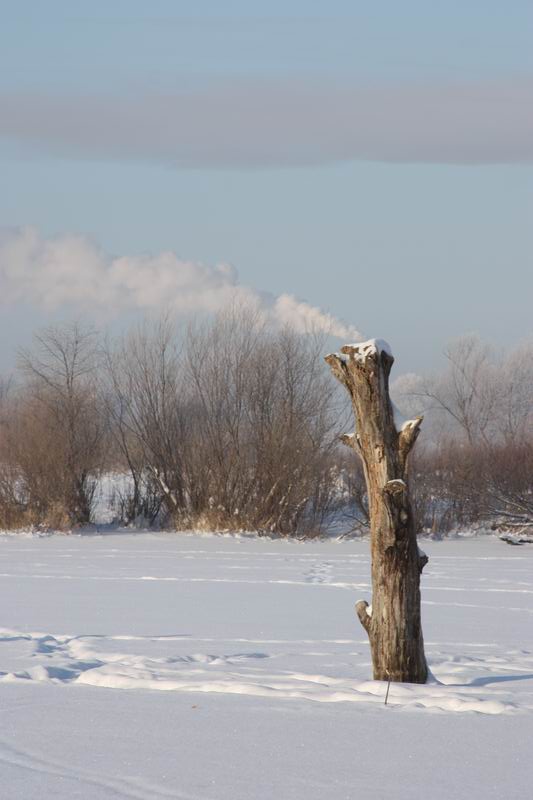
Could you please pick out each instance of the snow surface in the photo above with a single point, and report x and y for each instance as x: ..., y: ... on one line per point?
x: 176, y: 666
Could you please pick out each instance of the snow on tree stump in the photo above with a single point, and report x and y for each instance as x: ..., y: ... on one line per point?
x: 393, y: 622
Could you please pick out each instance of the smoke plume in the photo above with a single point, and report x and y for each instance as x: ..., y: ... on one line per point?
x: 73, y: 271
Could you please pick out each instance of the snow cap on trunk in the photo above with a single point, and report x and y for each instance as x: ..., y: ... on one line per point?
x: 361, y: 350
x: 372, y: 346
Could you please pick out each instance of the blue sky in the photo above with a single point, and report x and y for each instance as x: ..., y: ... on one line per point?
x: 370, y: 159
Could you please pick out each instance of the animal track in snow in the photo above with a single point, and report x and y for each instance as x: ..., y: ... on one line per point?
x: 103, y: 661
x: 320, y: 572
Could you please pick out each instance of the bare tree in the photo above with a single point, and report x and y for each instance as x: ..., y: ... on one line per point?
x: 58, y: 431
x: 146, y: 401
x: 219, y: 356
x: 475, y: 467
x: 466, y: 391
x: 393, y: 623
x: 12, y: 509
x: 263, y: 428
x: 514, y: 395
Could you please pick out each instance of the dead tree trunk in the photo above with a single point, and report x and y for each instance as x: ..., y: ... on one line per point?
x: 393, y: 621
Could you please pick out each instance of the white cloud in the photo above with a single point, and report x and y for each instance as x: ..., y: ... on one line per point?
x: 72, y: 271
x: 269, y: 123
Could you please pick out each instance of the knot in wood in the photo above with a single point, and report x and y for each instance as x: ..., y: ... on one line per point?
x: 395, y: 487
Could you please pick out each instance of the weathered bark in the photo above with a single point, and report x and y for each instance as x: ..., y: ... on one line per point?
x: 393, y: 624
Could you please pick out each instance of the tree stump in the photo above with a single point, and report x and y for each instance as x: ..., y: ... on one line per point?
x: 393, y: 622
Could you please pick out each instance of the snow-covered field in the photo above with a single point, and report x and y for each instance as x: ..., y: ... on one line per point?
x: 176, y: 666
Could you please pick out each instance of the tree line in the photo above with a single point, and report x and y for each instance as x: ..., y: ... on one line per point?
x: 231, y: 424
x: 474, y: 464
